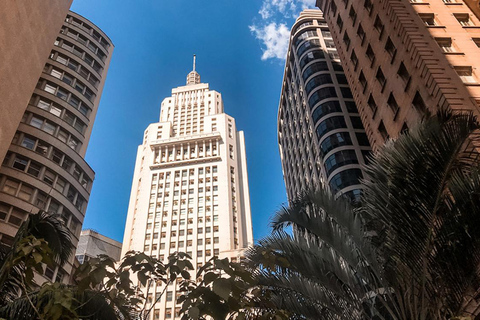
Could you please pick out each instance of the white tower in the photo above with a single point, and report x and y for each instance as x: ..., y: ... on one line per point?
x: 190, y: 185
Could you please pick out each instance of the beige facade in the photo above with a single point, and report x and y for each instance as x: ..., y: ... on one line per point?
x: 44, y: 168
x: 190, y: 186
x: 320, y: 135
x: 405, y: 59
x: 27, y: 31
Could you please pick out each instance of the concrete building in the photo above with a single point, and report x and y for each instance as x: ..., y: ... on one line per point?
x: 27, y: 31
x: 44, y: 168
x: 321, y: 137
x: 91, y: 244
x: 190, y: 186
x: 404, y: 59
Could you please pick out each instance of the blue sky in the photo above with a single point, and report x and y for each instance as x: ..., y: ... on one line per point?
x: 240, y: 48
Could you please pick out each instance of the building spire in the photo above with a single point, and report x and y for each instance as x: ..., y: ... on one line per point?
x: 193, y: 77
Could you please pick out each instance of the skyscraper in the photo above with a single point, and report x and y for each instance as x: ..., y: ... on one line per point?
x: 27, y: 31
x: 321, y: 137
x: 404, y: 59
x: 44, y: 168
x: 190, y: 185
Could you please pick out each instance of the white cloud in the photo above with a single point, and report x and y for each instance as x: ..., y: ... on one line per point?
x: 275, y: 39
x: 287, y: 8
x: 273, y: 34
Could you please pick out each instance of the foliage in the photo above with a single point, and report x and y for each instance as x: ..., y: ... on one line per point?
x: 42, y: 239
x: 226, y: 290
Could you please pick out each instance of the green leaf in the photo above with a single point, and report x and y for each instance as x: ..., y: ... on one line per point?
x: 222, y: 288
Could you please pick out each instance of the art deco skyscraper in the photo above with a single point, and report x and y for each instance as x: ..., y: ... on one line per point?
x: 320, y: 134
x: 405, y: 59
x: 190, y: 186
x: 44, y: 167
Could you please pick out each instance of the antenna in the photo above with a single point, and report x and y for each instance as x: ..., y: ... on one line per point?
x: 194, y: 61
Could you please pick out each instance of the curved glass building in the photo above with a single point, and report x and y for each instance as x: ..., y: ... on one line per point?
x: 44, y: 168
x: 320, y: 134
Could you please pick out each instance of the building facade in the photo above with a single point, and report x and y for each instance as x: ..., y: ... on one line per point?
x: 321, y: 137
x: 27, y: 31
x: 44, y: 168
x: 91, y: 244
x: 190, y: 186
x: 406, y: 59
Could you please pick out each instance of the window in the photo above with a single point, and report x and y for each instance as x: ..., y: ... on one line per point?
x: 378, y: 25
x: 370, y: 54
x: 321, y: 94
x: 428, y: 19
x: 50, y: 89
x: 477, y: 41
x: 356, y: 122
x: 362, y: 139
x: 403, y: 73
x: 466, y: 74
x: 362, y: 80
x: 352, y: 14
x: 20, y: 163
x: 372, y: 104
x: 464, y: 19
x: 392, y: 103
x: 34, y: 169
x: 317, y: 81
x: 390, y: 47
x: 10, y: 187
x: 25, y: 192
x: 36, y: 122
x: 361, y: 32
x: 354, y: 59
x: 381, y: 78
x: 346, y: 93
x: 339, y: 23
x: 28, y: 143
x: 445, y: 44
x: 345, y: 179
x: 340, y: 158
x: 333, y: 141
x: 313, y: 55
x: 383, y: 131
x: 330, y: 124
x: 418, y: 103
x: 346, y: 40
x: 368, y: 5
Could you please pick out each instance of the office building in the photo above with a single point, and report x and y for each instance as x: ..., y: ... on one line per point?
x: 406, y: 59
x: 321, y: 138
x: 92, y: 244
x: 190, y: 186
x: 44, y: 168
x: 27, y: 31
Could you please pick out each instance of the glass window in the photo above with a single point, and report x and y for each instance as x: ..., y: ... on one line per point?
x: 34, y: 169
x: 50, y: 89
x: 339, y: 159
x: 345, y: 179
x: 10, y: 187
x: 25, y: 192
x: 307, y: 45
x: 20, y: 163
x: 356, y: 122
x: 312, y: 55
x: 49, y: 127
x: 28, y: 143
x: 36, y: 122
x: 333, y: 141
x: 362, y: 139
x: 324, y: 109
x: 330, y: 124
x: 49, y: 177
x: 321, y: 94
x: 318, y: 81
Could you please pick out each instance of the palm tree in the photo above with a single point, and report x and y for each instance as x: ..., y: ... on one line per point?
x: 411, y: 250
x: 47, y: 226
